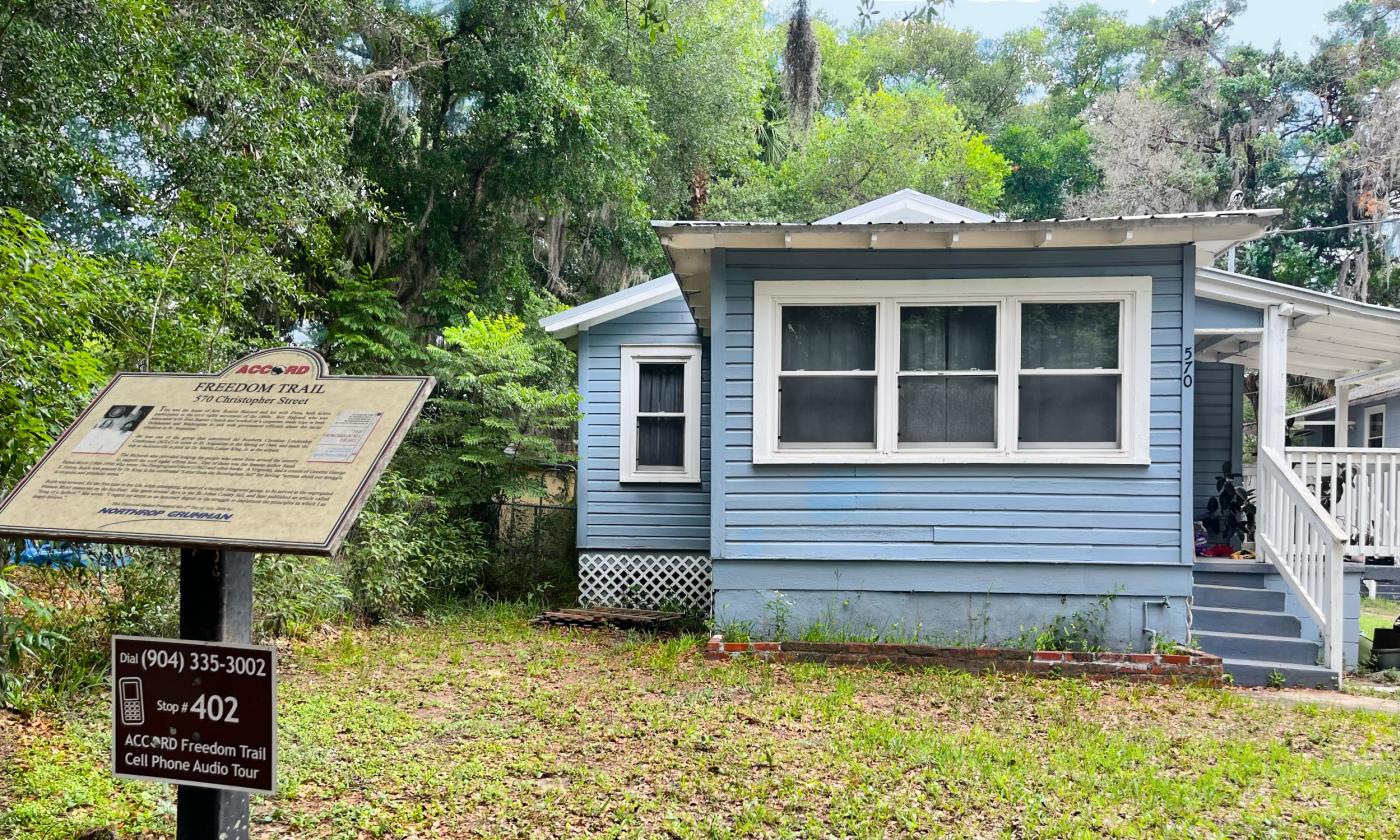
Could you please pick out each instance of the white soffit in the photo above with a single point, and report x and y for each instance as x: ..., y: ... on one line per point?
x: 1331, y: 337
x: 571, y: 322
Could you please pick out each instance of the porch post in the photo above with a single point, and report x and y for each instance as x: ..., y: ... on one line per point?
x: 1273, y: 377
x: 1341, y: 434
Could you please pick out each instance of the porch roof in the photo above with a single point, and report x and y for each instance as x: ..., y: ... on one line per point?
x: 1330, y: 338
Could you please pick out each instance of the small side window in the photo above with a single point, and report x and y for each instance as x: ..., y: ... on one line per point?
x: 1375, y: 427
x: 659, y: 438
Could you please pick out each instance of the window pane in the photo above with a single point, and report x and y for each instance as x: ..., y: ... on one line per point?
x: 828, y: 338
x: 1069, y: 335
x: 948, y: 409
x: 660, y: 441
x: 827, y: 409
x: 948, y: 338
x: 661, y: 387
x: 1069, y: 409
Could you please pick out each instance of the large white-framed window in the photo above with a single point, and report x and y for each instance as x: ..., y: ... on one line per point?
x: 1043, y: 370
x: 659, y: 438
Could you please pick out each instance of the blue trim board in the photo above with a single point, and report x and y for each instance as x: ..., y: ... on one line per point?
x: 1188, y: 401
x: 580, y: 484
x: 719, y: 400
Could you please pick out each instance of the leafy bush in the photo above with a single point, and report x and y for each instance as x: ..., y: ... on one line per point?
x: 406, y: 551
x: 504, y: 401
x: 1082, y: 630
x: 292, y: 595
x: 70, y: 613
x: 23, y: 635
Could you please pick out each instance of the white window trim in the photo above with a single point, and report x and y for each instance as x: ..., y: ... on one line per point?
x: 631, y: 357
x: 1372, y: 411
x: 1135, y: 347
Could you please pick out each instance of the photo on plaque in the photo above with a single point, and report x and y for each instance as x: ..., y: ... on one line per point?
x: 108, y: 434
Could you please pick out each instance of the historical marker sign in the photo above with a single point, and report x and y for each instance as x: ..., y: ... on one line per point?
x: 195, y: 713
x: 271, y: 454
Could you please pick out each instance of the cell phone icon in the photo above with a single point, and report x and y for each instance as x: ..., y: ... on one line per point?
x: 129, y: 693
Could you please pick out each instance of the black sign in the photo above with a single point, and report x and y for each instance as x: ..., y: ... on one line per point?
x: 195, y: 713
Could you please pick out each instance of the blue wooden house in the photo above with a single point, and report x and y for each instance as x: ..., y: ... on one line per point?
x: 912, y: 419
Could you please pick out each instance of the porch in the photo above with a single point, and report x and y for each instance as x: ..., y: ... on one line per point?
x: 1318, y: 507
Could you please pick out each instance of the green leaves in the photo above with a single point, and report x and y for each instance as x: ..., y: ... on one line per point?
x: 53, y: 350
x: 884, y: 142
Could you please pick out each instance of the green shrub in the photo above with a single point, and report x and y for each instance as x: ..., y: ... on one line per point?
x: 406, y: 552
x: 24, y: 636
x: 292, y: 595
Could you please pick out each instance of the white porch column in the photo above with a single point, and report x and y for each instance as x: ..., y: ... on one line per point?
x: 1273, y: 376
x: 1341, y: 428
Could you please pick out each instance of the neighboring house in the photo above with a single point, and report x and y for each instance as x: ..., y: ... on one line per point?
x: 913, y: 419
x: 1373, y: 418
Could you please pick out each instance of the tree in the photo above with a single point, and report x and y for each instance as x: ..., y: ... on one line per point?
x: 1150, y: 159
x: 53, y: 353
x: 884, y: 142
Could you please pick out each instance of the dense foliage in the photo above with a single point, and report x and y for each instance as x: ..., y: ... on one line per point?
x: 409, y: 186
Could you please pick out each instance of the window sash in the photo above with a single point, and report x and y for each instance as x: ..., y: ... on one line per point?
x: 632, y: 358
x: 1375, y: 431
x: 1131, y: 294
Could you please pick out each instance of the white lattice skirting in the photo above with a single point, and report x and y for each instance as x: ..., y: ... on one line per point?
x: 643, y: 580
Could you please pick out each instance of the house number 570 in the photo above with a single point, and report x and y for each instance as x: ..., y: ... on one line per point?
x: 1188, y: 358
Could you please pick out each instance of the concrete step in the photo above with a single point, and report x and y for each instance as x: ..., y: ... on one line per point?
x: 1245, y: 621
x: 1254, y: 672
x: 1257, y: 647
x: 1237, y: 597
x: 1212, y: 577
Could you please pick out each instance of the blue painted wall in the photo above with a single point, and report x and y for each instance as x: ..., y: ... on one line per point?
x: 960, y: 531
x: 1219, y: 425
x: 613, y: 515
x: 1214, y: 314
x: 1357, y: 414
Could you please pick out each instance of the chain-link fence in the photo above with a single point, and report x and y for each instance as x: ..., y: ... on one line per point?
x: 533, y: 551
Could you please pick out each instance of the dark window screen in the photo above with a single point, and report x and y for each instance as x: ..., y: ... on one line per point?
x: 948, y: 409
x: 660, y: 441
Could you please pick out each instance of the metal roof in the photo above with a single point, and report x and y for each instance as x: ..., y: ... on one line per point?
x: 1360, y: 394
x: 907, y: 205
x: 569, y: 322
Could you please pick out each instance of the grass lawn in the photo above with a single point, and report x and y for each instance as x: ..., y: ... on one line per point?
x: 478, y: 725
x: 1377, y: 612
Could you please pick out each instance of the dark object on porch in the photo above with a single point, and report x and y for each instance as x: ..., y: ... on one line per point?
x: 1229, y: 518
x: 607, y: 617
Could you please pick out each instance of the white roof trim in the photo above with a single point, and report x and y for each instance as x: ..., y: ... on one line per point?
x: 1257, y: 292
x: 906, y: 205
x: 571, y: 322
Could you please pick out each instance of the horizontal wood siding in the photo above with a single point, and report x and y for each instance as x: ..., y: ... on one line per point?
x: 613, y: 515
x: 1219, y: 425
x: 951, y: 512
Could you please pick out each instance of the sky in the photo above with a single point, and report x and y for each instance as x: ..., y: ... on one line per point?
x: 1293, y: 23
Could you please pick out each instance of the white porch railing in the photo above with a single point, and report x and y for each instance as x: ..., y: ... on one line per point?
x: 1360, y: 488
x: 1302, y: 540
